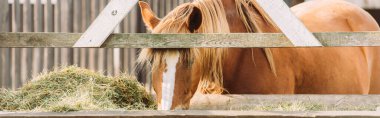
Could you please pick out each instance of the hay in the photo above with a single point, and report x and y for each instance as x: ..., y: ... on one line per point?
x: 76, y: 89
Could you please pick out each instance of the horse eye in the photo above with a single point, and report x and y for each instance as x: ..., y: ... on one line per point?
x: 151, y: 61
x: 190, y: 63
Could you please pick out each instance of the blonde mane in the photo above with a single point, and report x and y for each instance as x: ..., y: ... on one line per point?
x: 214, y: 20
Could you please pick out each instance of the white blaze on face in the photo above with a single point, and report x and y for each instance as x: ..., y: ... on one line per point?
x: 168, y: 81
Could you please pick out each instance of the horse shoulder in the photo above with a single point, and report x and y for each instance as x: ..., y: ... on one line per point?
x: 333, y: 16
x: 358, y: 18
x: 340, y: 16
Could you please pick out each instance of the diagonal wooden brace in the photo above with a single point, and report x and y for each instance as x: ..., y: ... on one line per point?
x: 289, y: 24
x: 105, y: 23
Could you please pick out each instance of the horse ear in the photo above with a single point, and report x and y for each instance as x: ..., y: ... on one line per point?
x: 149, y: 18
x: 195, y: 20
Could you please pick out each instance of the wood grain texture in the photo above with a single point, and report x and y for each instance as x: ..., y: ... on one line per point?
x: 4, y: 53
x: 194, y: 114
x: 252, y: 102
x: 16, y: 52
x: 3, y: 15
x: 187, y: 40
x: 6, y: 65
x: 26, y: 53
x: 17, y: 16
x: 49, y: 52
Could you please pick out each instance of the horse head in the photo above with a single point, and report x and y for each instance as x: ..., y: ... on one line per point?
x: 172, y: 69
x: 178, y: 73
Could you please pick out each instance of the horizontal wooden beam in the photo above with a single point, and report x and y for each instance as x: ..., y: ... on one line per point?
x: 192, y: 114
x: 287, y: 102
x: 187, y: 40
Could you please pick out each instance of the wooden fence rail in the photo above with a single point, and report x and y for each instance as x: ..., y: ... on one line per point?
x: 238, y: 106
x: 286, y: 102
x: 196, y: 114
x: 258, y: 40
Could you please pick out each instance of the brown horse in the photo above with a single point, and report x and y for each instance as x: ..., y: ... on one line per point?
x: 179, y: 73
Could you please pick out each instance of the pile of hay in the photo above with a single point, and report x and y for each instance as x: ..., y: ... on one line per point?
x: 76, y: 89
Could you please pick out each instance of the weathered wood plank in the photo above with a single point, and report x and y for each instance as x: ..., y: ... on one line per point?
x: 3, y: 15
x: 67, y: 15
x: 6, y: 65
x: 49, y: 52
x: 17, y: 15
x: 102, y: 61
x: 87, y: 23
x: 50, y: 16
x: 16, y: 68
x: 16, y: 52
x: 57, y: 28
x: 1, y: 67
x: 78, y: 16
x: 26, y: 62
x: 193, y: 114
x: 27, y: 53
x: 94, y: 63
x: 78, y: 28
x: 187, y: 40
x: 39, y: 27
x: 110, y: 61
x: 39, y: 10
x: 286, y: 102
x: 102, y: 56
x: 58, y: 16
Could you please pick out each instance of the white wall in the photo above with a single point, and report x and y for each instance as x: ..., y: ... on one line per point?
x: 366, y: 3
x: 370, y: 4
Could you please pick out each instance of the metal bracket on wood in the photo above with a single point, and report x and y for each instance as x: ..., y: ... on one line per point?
x: 289, y: 24
x: 105, y: 23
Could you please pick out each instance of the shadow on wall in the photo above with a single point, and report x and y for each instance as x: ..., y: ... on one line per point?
x: 293, y: 2
x: 375, y: 13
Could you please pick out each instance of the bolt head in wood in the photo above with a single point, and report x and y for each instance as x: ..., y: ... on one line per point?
x: 114, y: 12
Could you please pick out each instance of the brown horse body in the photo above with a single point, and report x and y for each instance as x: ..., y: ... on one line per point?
x: 346, y: 70
x: 308, y: 70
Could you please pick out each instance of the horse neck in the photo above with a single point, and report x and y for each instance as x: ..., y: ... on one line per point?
x: 238, y: 26
x: 212, y: 67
